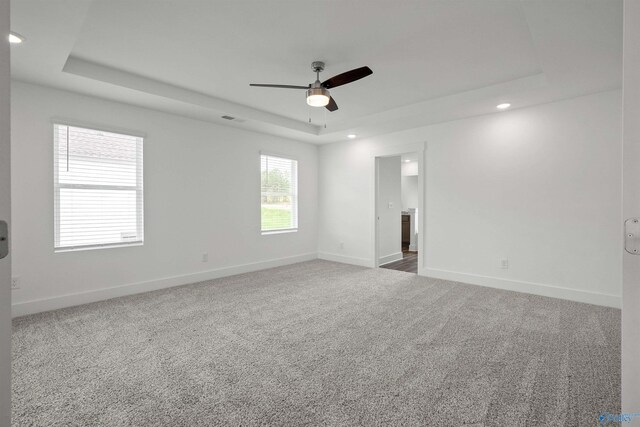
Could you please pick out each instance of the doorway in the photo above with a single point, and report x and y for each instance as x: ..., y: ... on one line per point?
x: 397, y: 212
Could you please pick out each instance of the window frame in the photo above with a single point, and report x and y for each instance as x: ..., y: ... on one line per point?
x: 139, y: 187
x: 296, y: 195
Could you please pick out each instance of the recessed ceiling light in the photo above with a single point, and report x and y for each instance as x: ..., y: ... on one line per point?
x: 503, y: 106
x: 15, y: 38
x: 407, y: 161
x: 351, y: 136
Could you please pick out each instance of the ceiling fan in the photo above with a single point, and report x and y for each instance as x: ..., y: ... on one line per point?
x: 318, y: 93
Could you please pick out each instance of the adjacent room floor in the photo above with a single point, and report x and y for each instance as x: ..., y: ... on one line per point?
x: 318, y: 343
x: 408, y: 263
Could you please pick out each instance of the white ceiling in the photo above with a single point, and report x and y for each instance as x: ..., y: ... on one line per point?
x: 433, y: 61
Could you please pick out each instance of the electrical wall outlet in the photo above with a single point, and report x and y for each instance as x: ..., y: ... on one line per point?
x: 390, y: 205
x: 504, y: 264
x: 15, y: 283
x: 205, y: 257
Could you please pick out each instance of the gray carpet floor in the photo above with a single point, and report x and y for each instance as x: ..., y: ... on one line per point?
x: 318, y: 343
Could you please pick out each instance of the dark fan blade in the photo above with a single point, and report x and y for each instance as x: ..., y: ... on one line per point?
x: 332, y: 106
x: 281, y: 86
x: 348, y: 77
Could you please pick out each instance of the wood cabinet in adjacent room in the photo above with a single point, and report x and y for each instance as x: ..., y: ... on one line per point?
x: 406, y: 230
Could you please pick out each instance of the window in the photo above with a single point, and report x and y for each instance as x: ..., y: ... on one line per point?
x: 97, y: 188
x: 279, y: 194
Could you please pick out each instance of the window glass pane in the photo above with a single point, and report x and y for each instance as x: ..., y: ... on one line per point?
x: 87, y: 156
x: 98, y: 188
x: 279, y: 193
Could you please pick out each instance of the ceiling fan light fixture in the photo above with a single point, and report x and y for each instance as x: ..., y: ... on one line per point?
x: 318, y: 97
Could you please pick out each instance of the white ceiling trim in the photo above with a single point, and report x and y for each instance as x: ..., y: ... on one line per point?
x: 497, y: 92
x: 99, y: 72
x: 416, y: 113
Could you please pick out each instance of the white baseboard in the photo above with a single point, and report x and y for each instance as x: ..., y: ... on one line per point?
x: 363, y: 262
x: 528, y: 287
x: 68, y: 300
x: 390, y: 258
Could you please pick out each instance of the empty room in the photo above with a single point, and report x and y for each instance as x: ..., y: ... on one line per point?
x: 319, y: 213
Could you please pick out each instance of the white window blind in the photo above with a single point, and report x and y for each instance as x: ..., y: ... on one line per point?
x: 97, y: 188
x: 279, y: 193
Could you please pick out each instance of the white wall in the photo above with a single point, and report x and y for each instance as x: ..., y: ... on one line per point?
x: 409, y: 186
x: 631, y: 266
x: 201, y: 195
x: 5, y: 212
x: 410, y: 168
x: 539, y: 186
x: 389, y: 207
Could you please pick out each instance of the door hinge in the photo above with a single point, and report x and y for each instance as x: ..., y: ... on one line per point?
x: 632, y: 236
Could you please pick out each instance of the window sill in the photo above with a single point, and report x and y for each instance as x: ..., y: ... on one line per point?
x: 291, y: 230
x: 91, y: 248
